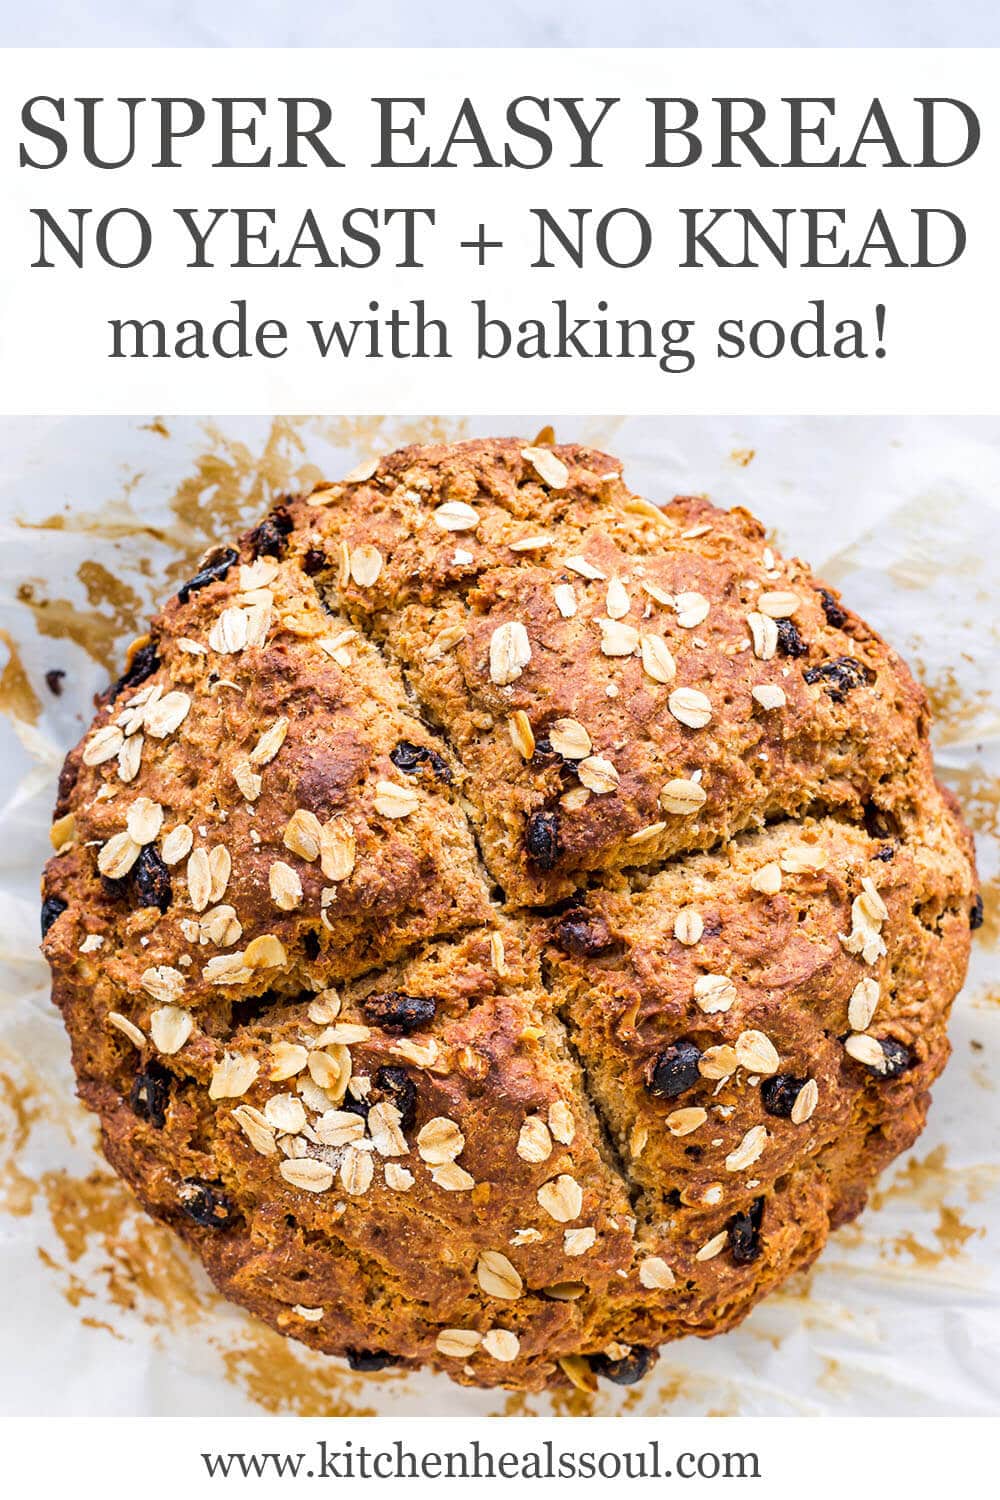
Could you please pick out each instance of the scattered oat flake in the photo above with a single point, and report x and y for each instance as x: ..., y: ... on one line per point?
x: 103, y: 745
x: 167, y: 714
x: 530, y: 543
x: 308, y: 1173
x: 303, y: 833
x: 534, y: 1143
x: 549, y: 468
x: 163, y: 983
x: 457, y: 1343
x: 690, y: 707
x: 565, y: 598
x: 805, y: 1102
x: 118, y: 855
x: 366, y: 565
x: 657, y: 661
x: 647, y: 834
x: 689, y: 926
x: 561, y: 1197
x: 863, y: 1004
x: 768, y: 695
x: 682, y: 796
x: 617, y: 638
x: 748, y: 1151
x: 581, y: 566
x: 713, y: 1247
x: 778, y: 604
x: 681, y: 1122
x: 579, y: 1241
x: 126, y: 1027
x: 269, y: 743
x: 498, y: 955
x: 802, y: 859
x: 655, y: 1274
x: 144, y: 820
x: 455, y: 515
x: 398, y: 1178
x: 569, y: 739
x: 285, y: 886
x: 561, y: 1122
x: 287, y: 1059
x: 247, y: 780
x: 497, y: 1277
x: 767, y: 879
x: 510, y: 652
x: 598, y: 774
x: 439, y: 1141
x: 256, y: 1129
x: 714, y: 993
x: 521, y: 735
x: 394, y: 801
x: 692, y: 610
x: 170, y: 1027
x: 233, y: 1075
x: 617, y: 601
x: 757, y: 1053
x: 501, y: 1344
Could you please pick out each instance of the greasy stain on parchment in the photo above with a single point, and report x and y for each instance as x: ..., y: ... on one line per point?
x: 229, y: 486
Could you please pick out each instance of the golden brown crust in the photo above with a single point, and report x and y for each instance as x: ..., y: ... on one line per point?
x: 527, y: 919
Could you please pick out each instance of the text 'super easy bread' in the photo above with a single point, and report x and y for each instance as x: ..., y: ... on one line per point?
x: 502, y: 925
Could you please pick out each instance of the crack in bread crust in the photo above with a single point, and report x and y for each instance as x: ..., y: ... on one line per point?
x: 616, y: 835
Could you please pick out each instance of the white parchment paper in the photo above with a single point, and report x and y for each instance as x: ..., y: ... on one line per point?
x: 103, y: 1313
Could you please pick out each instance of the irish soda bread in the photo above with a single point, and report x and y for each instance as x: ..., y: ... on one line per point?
x: 502, y: 925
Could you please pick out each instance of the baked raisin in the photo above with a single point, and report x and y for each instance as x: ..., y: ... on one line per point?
x: 790, y: 643
x: 151, y: 879
x: 397, y: 1087
x: 631, y: 1367
x: 835, y: 612
x: 779, y: 1093
x: 838, y: 677
x: 583, y: 934
x: 976, y: 913
x: 410, y: 759
x: 269, y: 538
x: 150, y: 1093
x: 541, y: 839
x: 397, y: 1012
x: 143, y: 664
x: 206, y: 1204
x: 217, y: 567
x: 313, y: 561
x: 674, y: 1071
x: 897, y: 1058
x: 744, y: 1234
x: 52, y: 907
x: 369, y: 1360
x: 884, y: 854
x: 54, y: 681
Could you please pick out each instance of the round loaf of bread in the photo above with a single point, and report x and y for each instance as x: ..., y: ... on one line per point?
x: 503, y: 925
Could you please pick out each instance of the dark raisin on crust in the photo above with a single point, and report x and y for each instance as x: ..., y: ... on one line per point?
x: 897, y: 1058
x: 410, y: 759
x: 838, y: 677
x: 976, y: 913
x: 52, y: 907
x: 744, y: 1234
x: 150, y: 1093
x: 399, y: 1013
x: 143, y: 664
x: 206, y: 1204
x: 583, y: 934
x: 790, y: 643
x: 674, y: 1071
x: 835, y: 612
x: 269, y: 538
x: 217, y: 567
x: 627, y: 1370
x: 369, y: 1360
x: 397, y: 1087
x: 886, y: 853
x: 313, y: 561
x: 151, y: 879
x: 54, y: 681
x: 779, y: 1093
x: 541, y: 839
